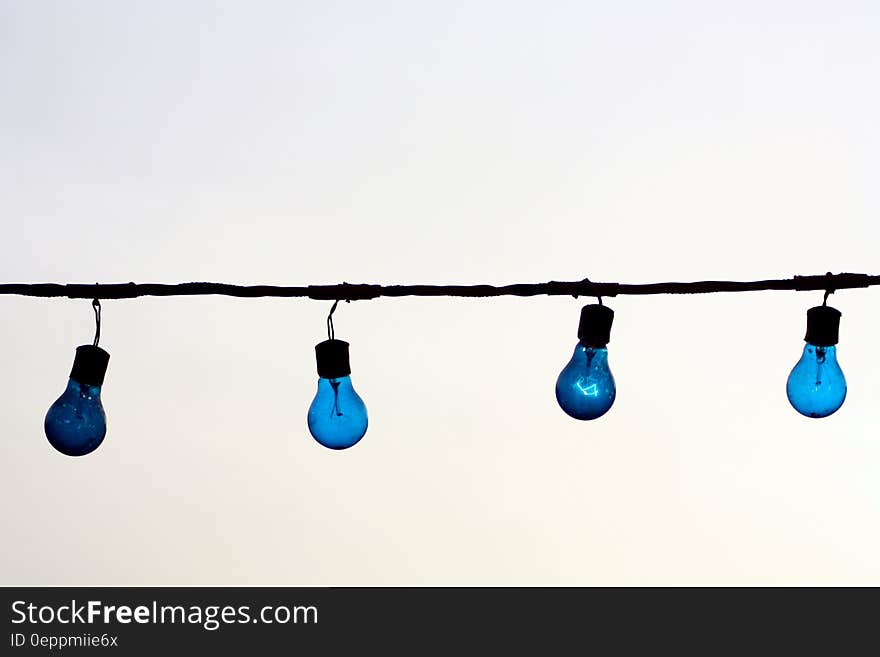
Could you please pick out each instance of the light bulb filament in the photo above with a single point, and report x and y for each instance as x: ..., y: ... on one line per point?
x: 590, y: 354
x: 335, y: 385
x: 591, y: 390
x: 820, y: 359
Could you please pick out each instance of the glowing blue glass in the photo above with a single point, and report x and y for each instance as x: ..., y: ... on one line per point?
x: 337, y: 416
x: 585, y: 388
x: 816, y: 386
x: 75, y: 424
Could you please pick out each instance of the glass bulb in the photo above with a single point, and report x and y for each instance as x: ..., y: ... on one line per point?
x: 585, y: 388
x: 75, y: 424
x: 337, y: 416
x: 816, y: 386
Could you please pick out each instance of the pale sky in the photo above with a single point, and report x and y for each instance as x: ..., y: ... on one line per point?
x: 439, y: 142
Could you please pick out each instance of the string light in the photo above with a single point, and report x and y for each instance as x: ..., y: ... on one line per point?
x: 585, y: 388
x: 75, y: 424
x: 337, y: 417
x: 816, y: 386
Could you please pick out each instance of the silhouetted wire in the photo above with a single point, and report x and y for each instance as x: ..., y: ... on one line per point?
x: 331, y: 332
x: 96, y: 304
x: 359, y: 292
x: 598, y: 298
x: 828, y: 290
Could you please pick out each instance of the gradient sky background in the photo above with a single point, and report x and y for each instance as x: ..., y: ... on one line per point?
x: 442, y: 142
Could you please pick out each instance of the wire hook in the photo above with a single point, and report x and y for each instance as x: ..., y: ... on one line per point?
x: 587, y: 280
x: 331, y: 332
x: 828, y: 290
x: 96, y: 306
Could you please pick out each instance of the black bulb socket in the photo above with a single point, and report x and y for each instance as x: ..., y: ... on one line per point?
x: 594, y: 329
x: 90, y: 365
x: 332, y: 356
x: 823, y: 326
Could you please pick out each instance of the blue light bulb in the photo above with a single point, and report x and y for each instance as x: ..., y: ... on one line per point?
x: 76, y: 424
x: 337, y: 416
x: 585, y: 388
x: 816, y: 386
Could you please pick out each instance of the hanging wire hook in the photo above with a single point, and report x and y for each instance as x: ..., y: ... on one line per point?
x: 96, y: 305
x: 587, y: 280
x: 331, y: 332
x: 828, y: 290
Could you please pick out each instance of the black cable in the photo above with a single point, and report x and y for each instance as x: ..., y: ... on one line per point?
x: 358, y: 292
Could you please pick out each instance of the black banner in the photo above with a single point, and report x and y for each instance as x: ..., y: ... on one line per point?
x: 147, y: 621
